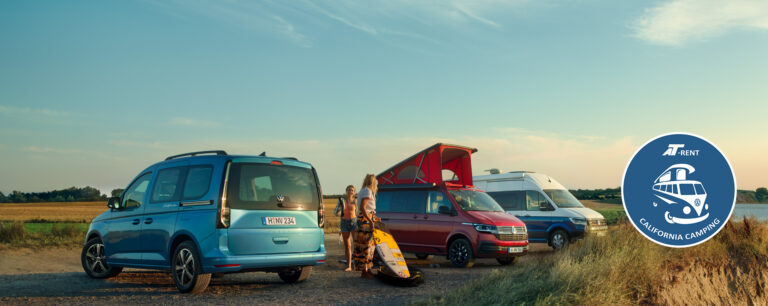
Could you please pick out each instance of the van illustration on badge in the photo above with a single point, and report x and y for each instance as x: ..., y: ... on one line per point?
x: 674, y: 189
x: 664, y: 192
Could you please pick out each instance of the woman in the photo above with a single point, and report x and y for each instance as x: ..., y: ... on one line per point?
x: 346, y: 207
x: 366, y: 207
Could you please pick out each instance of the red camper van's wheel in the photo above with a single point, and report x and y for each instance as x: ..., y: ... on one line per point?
x: 460, y: 253
x: 558, y: 239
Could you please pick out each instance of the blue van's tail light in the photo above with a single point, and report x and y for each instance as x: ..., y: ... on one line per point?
x: 276, y: 162
x: 320, y: 209
x: 223, y: 221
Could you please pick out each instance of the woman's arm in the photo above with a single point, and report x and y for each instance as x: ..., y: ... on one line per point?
x: 365, y: 212
x: 339, y: 205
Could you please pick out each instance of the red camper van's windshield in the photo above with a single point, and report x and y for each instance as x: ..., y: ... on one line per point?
x: 263, y: 186
x: 470, y: 200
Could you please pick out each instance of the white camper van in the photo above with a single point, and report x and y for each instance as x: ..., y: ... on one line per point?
x: 550, y: 212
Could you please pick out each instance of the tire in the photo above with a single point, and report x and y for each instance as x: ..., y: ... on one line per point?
x: 94, y: 260
x: 416, y: 278
x: 460, y: 253
x: 295, y: 275
x: 186, y: 269
x: 506, y: 261
x: 423, y: 256
x: 558, y: 239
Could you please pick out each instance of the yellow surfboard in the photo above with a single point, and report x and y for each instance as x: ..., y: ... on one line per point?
x: 390, y: 253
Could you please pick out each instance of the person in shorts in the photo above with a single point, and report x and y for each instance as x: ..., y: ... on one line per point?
x: 347, y: 208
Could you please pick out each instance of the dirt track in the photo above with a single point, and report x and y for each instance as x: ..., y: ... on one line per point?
x: 55, y: 276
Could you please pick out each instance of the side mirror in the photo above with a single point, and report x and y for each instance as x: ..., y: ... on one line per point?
x: 113, y: 203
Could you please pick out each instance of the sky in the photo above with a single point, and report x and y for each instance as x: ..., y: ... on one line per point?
x: 92, y: 92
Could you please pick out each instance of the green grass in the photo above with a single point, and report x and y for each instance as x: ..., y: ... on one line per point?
x: 20, y: 234
x: 622, y: 267
x: 613, y: 215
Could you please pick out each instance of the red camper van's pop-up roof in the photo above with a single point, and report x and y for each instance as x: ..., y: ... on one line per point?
x: 429, y: 165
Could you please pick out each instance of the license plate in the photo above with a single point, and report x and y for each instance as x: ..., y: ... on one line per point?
x: 515, y: 250
x: 279, y: 220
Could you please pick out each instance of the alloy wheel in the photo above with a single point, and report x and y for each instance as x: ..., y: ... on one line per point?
x: 95, y: 258
x: 185, y: 267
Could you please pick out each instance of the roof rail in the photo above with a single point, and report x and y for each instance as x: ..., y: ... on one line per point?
x: 217, y: 152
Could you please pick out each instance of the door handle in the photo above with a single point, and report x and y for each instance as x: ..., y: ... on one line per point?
x: 136, y: 221
x: 148, y: 220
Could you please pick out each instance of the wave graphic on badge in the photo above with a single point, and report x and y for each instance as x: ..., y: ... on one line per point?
x: 685, y: 199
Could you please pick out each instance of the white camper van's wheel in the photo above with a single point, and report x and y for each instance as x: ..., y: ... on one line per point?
x: 558, y: 239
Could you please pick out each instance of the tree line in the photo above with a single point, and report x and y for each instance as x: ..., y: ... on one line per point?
x: 72, y: 194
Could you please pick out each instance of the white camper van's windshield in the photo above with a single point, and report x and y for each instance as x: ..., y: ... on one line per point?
x: 563, y: 198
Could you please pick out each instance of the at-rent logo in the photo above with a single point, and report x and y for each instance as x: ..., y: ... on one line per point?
x: 674, y: 150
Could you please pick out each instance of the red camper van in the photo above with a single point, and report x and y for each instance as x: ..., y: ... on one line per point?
x: 429, y: 204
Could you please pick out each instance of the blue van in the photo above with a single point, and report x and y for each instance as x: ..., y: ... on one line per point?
x: 209, y: 212
x: 550, y: 212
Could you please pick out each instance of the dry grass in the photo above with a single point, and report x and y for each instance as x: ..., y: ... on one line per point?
x: 619, y: 269
x: 52, y: 211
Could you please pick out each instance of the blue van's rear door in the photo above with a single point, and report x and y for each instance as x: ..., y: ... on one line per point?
x: 273, y: 207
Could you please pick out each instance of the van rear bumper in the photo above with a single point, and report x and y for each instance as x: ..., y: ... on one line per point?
x: 263, y: 262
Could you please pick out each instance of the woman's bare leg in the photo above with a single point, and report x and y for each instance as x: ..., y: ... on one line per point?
x: 347, y: 251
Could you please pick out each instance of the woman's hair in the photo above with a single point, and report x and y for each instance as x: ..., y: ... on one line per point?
x: 353, y: 195
x: 370, y: 182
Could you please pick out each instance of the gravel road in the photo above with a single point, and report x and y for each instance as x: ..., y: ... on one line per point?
x: 55, y: 276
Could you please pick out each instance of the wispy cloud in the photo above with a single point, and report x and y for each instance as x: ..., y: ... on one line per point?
x: 298, y: 21
x: 34, y: 149
x: 13, y: 110
x: 680, y: 21
x: 192, y: 122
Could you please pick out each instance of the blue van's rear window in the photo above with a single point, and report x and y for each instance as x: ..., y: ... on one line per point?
x: 271, y: 187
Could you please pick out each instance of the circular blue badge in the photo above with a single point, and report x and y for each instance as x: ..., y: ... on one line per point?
x: 678, y: 190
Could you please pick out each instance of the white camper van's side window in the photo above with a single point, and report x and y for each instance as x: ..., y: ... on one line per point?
x: 510, y: 200
x: 534, y: 200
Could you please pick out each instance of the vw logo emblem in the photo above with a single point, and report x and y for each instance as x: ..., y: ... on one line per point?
x: 280, y: 198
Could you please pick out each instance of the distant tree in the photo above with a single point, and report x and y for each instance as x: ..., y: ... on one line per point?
x: 3, y: 199
x: 761, y: 194
x: 70, y: 198
x: 117, y: 192
x: 58, y: 198
x: 35, y: 199
x: 17, y: 197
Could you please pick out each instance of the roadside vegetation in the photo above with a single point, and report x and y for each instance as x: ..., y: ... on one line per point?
x: 626, y: 268
x: 32, y: 235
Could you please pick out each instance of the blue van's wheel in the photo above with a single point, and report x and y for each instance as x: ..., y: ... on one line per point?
x: 558, y: 239
x: 460, y: 253
x: 186, y: 269
x: 94, y: 260
x: 295, y: 275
